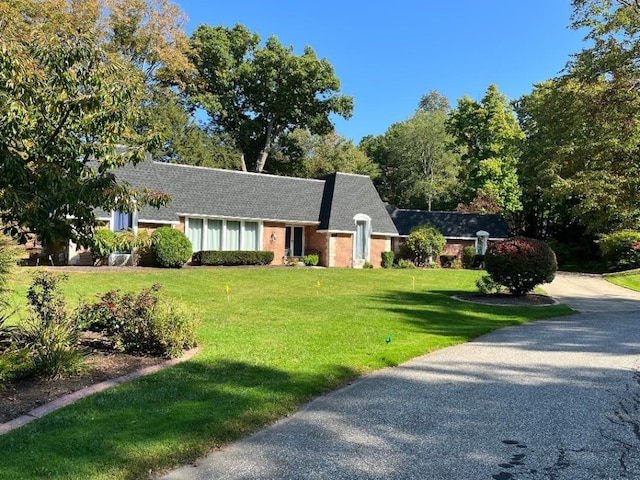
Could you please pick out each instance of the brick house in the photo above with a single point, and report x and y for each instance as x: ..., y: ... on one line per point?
x: 341, y: 217
x: 458, y: 228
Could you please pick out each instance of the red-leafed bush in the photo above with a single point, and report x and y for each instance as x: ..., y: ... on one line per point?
x: 521, y: 263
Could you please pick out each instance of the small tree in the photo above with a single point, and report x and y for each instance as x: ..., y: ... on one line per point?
x: 521, y: 263
x: 423, y: 244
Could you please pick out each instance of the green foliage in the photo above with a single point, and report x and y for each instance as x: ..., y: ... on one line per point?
x: 246, y: 89
x: 403, y: 263
x: 468, y: 256
x: 387, y: 259
x: 104, y: 243
x: 231, y: 258
x: 170, y: 247
x: 64, y: 101
x: 367, y: 265
x: 311, y: 260
x: 520, y: 264
x: 491, y: 140
x: 423, y: 244
x: 418, y: 162
x: 50, y: 335
x: 446, y: 261
x: 621, y: 249
x: 142, y: 323
x: 487, y: 286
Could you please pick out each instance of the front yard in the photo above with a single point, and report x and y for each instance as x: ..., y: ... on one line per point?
x: 271, y: 339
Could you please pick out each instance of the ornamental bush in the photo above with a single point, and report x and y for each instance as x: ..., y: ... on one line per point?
x: 170, y: 247
x: 141, y: 323
x: 468, y: 256
x: 520, y: 264
x: 423, y: 244
x: 621, y: 249
x: 387, y: 259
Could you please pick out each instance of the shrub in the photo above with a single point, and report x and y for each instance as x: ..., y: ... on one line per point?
x: 141, y: 323
x: 170, y: 247
x: 232, y: 258
x: 311, y: 260
x: 520, y: 263
x: 423, y: 244
x: 446, y: 261
x: 50, y: 335
x: 367, y: 265
x: 104, y: 244
x: 404, y: 263
x: 621, y: 249
x: 468, y: 256
x: 387, y: 259
x: 486, y: 285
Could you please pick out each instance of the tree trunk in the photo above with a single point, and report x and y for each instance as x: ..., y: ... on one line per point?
x: 262, y: 158
x: 244, y: 164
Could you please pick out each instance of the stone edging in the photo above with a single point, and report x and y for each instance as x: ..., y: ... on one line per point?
x: 90, y: 390
x: 468, y: 300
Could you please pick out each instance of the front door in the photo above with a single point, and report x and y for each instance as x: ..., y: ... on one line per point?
x: 294, y: 241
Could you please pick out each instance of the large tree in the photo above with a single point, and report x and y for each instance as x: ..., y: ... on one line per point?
x: 304, y: 154
x: 417, y: 158
x: 583, y: 129
x: 65, y: 106
x: 491, y: 140
x: 257, y: 94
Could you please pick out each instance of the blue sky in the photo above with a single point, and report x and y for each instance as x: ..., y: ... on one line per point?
x: 388, y: 54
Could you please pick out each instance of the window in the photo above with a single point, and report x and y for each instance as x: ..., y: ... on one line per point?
x: 122, y: 221
x: 250, y: 237
x: 214, y: 234
x: 361, y: 239
x: 194, y: 233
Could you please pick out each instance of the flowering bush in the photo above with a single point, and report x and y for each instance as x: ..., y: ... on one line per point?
x: 141, y: 323
x: 520, y: 264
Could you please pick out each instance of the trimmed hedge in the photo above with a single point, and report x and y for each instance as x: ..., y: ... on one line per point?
x: 520, y: 264
x: 621, y: 250
x: 232, y: 258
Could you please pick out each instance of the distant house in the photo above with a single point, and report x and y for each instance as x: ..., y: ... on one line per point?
x: 459, y: 229
x: 340, y: 217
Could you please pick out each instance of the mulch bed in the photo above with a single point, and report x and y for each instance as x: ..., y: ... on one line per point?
x: 102, y: 363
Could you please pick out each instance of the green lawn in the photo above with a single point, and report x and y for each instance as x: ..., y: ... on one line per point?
x: 630, y: 279
x: 281, y: 337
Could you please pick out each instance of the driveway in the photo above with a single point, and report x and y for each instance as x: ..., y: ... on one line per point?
x: 555, y: 399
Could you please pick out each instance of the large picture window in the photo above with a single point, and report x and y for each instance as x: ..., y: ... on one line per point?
x: 216, y: 234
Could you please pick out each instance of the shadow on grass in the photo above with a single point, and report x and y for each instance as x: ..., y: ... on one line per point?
x: 159, y: 421
x: 436, y: 313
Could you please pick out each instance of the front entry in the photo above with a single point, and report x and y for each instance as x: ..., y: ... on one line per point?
x: 294, y: 241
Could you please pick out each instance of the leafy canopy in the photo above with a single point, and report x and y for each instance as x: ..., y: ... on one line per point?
x: 258, y: 94
x: 65, y: 105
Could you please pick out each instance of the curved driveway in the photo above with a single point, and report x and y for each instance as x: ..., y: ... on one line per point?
x: 555, y: 399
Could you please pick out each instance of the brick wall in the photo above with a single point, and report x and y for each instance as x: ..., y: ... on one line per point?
x: 341, y: 250
x: 273, y: 237
x: 317, y: 243
x: 377, y: 246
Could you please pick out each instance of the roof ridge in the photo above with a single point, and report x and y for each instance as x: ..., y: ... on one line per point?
x: 240, y: 172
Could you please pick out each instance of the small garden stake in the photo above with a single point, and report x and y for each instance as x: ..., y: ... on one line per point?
x: 227, y: 289
x: 414, y: 283
x: 388, y: 339
x: 318, y: 288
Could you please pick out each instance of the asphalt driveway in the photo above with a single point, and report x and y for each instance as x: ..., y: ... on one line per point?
x: 556, y: 399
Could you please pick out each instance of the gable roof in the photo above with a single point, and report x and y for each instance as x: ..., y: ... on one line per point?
x: 450, y: 224
x: 347, y: 195
x: 210, y: 192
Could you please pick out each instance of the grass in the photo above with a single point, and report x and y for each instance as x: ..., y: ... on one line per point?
x: 272, y: 340
x: 629, y: 279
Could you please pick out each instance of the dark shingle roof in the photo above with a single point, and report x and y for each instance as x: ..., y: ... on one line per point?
x: 197, y: 191
x: 450, y: 224
x: 347, y: 195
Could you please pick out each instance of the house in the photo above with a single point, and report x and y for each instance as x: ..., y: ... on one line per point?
x: 339, y: 217
x: 458, y: 228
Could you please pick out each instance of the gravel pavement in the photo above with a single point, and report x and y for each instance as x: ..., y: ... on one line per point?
x: 555, y: 399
